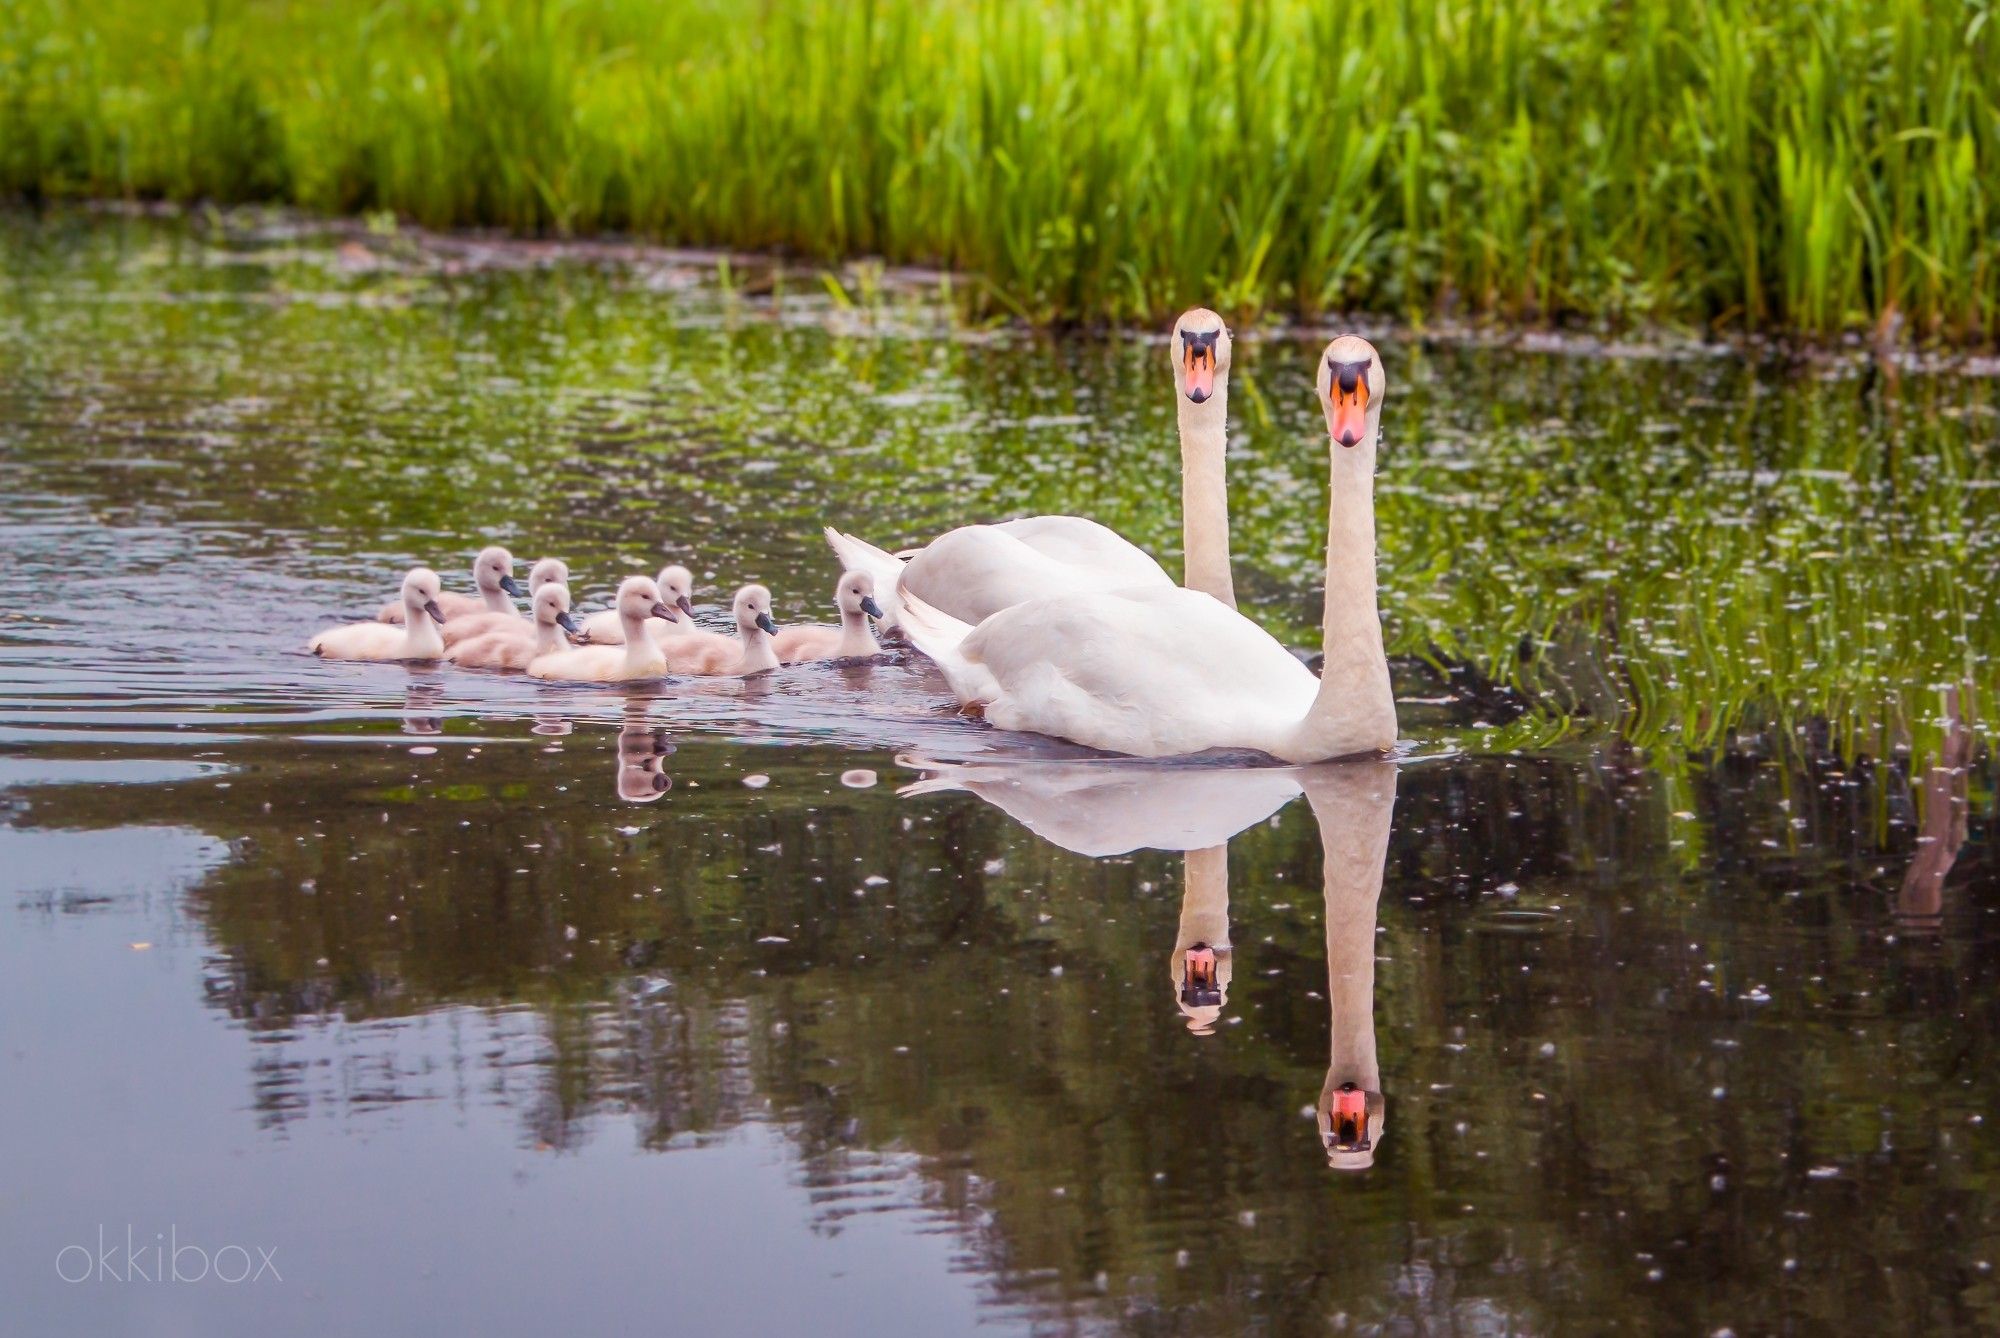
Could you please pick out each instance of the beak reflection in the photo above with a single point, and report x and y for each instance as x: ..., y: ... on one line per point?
x: 1198, y: 987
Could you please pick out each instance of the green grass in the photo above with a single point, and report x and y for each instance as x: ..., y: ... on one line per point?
x: 1748, y: 165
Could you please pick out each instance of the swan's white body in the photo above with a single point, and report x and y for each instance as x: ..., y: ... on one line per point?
x: 637, y: 659
x: 546, y: 572
x: 853, y: 639
x: 492, y: 576
x: 416, y: 639
x: 973, y: 572
x: 518, y: 643
x: 676, y: 591
x: 750, y: 651
x: 1161, y: 672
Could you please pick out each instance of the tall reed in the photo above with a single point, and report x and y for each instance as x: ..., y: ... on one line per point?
x: 1745, y: 165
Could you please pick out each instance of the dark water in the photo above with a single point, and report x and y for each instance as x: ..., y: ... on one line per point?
x: 1668, y: 953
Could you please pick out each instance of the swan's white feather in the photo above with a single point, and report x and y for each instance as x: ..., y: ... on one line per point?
x: 1149, y: 672
x: 975, y: 571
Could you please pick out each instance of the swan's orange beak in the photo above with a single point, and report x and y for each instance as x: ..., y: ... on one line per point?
x: 1347, y: 406
x: 1199, y: 367
x: 1198, y: 364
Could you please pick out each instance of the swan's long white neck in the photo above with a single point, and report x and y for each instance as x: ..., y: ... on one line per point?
x: 857, y: 639
x: 1205, y: 493
x: 421, y: 638
x: 1354, y: 710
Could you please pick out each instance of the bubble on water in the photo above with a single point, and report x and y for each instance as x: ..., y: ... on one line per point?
x: 756, y: 780
x: 860, y: 778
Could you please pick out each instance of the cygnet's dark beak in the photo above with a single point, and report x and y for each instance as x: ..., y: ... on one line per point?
x: 660, y: 610
x: 431, y: 607
x: 764, y: 621
x: 511, y: 586
x: 685, y: 605
x: 568, y: 624
x: 870, y: 607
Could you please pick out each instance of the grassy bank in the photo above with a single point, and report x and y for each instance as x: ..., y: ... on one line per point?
x: 1746, y: 165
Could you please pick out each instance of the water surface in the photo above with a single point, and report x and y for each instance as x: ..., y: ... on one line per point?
x: 1663, y: 965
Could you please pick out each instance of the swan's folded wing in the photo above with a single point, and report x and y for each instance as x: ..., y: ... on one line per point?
x: 1147, y: 672
x: 1073, y: 541
x: 976, y: 571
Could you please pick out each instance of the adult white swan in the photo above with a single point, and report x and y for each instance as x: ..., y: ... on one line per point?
x: 975, y: 571
x: 1159, y: 672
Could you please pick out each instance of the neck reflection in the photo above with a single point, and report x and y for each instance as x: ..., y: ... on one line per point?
x: 1353, y: 804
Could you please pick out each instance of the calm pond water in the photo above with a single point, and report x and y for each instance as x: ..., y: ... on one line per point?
x: 1663, y: 966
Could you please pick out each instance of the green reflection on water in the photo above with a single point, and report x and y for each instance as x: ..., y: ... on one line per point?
x: 1594, y: 1066
x: 1682, y: 550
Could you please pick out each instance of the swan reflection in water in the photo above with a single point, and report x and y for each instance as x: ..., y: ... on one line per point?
x: 643, y: 750
x: 1103, y: 808
x: 1920, y: 900
x: 1203, y: 959
x: 423, y: 705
